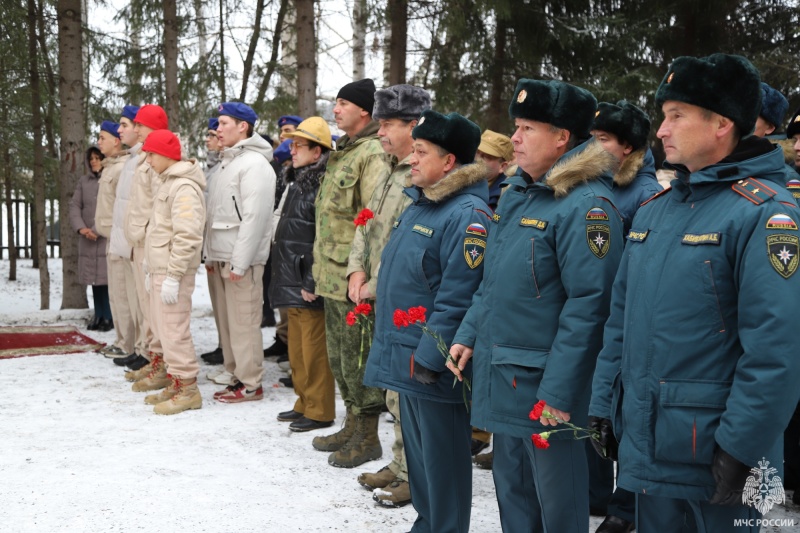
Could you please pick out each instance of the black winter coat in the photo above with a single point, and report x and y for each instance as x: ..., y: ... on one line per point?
x: 292, y: 253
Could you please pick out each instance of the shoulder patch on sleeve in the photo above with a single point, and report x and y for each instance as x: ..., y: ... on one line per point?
x: 484, y: 213
x: 474, y: 250
x: 476, y: 229
x: 598, y: 236
x: 656, y: 195
x: 794, y: 187
x: 596, y: 213
x: 783, y: 253
x: 756, y: 191
x: 781, y: 221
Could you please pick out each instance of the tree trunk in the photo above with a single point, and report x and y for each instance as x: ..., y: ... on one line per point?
x: 73, y: 135
x: 306, y: 58
x: 38, y: 158
x: 496, y: 113
x: 247, y: 67
x: 202, y: 45
x: 398, y: 13
x: 171, y: 64
x: 359, y: 39
x: 222, y: 50
x: 288, y: 75
x: 12, y: 249
x: 273, y: 58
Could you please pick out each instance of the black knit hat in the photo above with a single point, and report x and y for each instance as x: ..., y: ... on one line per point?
x: 726, y: 84
x: 793, y: 128
x: 629, y: 123
x: 405, y: 102
x: 361, y: 93
x: 453, y: 132
x: 554, y: 102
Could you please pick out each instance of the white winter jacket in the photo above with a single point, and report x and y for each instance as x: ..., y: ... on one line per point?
x: 241, y: 197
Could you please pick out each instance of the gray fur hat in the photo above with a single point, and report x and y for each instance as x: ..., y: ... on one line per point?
x: 405, y: 102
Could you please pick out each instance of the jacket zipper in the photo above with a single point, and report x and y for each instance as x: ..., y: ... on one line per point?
x: 238, y: 214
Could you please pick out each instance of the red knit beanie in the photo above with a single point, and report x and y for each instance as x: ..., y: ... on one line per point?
x: 152, y: 116
x: 163, y: 142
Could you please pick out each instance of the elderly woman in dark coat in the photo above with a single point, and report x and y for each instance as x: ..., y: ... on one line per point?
x: 91, y: 246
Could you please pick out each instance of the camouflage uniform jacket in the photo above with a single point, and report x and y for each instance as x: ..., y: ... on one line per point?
x: 353, y: 172
x: 387, y: 202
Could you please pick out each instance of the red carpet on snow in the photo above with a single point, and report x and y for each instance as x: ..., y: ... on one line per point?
x: 43, y: 340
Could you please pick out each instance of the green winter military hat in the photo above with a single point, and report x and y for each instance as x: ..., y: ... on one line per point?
x: 629, y: 123
x: 554, y: 102
x: 455, y: 133
x: 726, y: 84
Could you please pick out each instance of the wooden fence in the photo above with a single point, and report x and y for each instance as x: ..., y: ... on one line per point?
x: 22, y: 216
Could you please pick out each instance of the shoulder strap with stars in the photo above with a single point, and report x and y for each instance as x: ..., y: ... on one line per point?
x: 755, y: 191
x: 656, y: 195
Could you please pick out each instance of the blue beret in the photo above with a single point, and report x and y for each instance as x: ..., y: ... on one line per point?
x: 129, y: 112
x: 110, y: 127
x: 282, y: 153
x: 213, y: 123
x: 289, y: 119
x: 238, y: 111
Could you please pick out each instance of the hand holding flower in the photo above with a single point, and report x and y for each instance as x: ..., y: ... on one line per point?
x: 459, y: 355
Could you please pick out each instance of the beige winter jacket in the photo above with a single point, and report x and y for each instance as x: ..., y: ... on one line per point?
x: 103, y: 216
x: 145, y: 184
x: 174, y: 236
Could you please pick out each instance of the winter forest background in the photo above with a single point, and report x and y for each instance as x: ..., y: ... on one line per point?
x: 68, y: 64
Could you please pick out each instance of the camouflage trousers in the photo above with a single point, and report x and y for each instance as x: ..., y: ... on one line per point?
x: 345, y: 347
x: 398, y: 465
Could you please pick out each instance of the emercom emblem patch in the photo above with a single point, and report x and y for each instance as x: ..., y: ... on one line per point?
x: 599, y: 238
x: 783, y: 253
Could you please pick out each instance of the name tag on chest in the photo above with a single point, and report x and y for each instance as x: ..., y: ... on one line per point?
x: 422, y: 230
x: 695, y: 239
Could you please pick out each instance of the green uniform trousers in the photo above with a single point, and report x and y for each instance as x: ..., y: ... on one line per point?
x: 347, y: 354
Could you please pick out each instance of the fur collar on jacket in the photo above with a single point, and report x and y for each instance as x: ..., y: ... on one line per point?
x: 460, y: 178
x: 788, y: 150
x: 630, y: 168
x: 307, y: 178
x: 586, y: 165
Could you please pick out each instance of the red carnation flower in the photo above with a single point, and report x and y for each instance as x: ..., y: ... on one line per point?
x: 536, y: 412
x: 417, y: 314
x: 540, y: 442
x: 364, y: 216
x: 351, y: 318
x: 363, y: 309
x: 401, y: 319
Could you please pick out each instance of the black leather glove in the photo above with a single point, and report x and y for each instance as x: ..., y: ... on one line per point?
x: 730, y: 475
x: 607, y: 445
x: 424, y: 375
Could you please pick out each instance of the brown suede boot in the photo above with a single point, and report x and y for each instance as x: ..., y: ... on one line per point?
x: 363, y: 446
x: 331, y: 443
x: 378, y: 480
x: 395, y: 494
x: 156, y: 379
x: 187, y: 397
x: 164, y: 395
x: 136, y: 375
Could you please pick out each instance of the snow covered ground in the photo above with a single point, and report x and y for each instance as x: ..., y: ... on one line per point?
x: 80, y: 452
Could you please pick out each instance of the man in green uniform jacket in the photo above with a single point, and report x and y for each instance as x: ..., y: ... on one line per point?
x: 352, y: 174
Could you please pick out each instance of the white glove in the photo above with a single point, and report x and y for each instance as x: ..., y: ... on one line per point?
x: 147, y: 282
x: 144, y: 266
x: 169, y: 291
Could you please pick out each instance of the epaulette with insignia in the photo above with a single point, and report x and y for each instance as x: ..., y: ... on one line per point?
x: 752, y: 189
x: 656, y: 195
